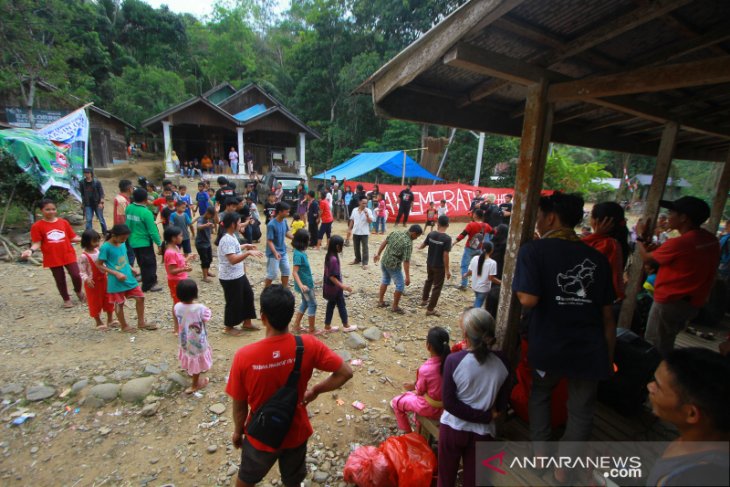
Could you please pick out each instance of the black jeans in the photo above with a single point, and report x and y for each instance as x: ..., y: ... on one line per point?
x: 206, y: 256
x: 404, y: 211
x: 330, y: 311
x: 313, y: 233
x: 147, y: 266
x: 358, y: 241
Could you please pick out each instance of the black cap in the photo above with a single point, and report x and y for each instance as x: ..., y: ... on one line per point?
x: 696, y: 209
x: 87, y: 170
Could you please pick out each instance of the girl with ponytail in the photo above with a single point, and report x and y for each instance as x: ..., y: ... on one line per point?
x: 611, y: 238
x: 424, y: 396
x: 475, y: 388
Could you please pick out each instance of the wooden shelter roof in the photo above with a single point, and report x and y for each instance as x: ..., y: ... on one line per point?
x: 619, y: 70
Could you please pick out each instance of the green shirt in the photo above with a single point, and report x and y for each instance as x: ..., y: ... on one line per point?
x: 115, y: 258
x: 305, y: 271
x: 398, y: 250
x: 141, y: 223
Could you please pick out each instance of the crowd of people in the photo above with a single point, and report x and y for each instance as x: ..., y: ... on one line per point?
x: 570, y: 289
x: 216, y: 164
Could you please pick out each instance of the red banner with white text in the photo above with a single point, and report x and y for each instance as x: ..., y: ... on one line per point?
x: 458, y: 198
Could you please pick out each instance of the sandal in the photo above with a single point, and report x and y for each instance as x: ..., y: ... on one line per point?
x: 348, y: 329
x: 316, y: 332
x: 113, y: 324
x: 433, y: 313
x: 68, y: 304
x: 384, y: 304
x: 204, y: 381
x: 399, y: 311
x: 102, y: 328
x: 331, y: 329
x: 148, y: 327
x: 129, y: 329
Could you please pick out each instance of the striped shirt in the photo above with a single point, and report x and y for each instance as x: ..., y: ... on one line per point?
x: 398, y: 250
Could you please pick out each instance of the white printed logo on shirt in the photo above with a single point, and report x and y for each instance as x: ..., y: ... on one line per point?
x: 276, y: 354
x: 575, y: 281
x: 55, y: 236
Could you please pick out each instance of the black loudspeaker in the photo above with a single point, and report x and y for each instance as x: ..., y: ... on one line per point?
x: 636, y: 360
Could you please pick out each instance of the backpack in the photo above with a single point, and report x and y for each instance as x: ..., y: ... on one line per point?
x: 476, y: 241
x: 272, y: 421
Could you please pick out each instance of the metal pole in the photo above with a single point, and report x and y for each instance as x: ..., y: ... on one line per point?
x: 480, y: 153
x: 403, y: 174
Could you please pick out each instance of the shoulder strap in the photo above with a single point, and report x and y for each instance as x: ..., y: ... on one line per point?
x: 293, y: 379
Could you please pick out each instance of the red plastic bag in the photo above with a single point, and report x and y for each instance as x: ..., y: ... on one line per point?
x: 411, y: 457
x: 368, y: 467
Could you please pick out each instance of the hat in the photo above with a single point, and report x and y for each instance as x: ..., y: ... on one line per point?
x: 697, y: 210
x: 87, y: 170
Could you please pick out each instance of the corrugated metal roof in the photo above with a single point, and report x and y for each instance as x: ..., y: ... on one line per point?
x: 250, y: 112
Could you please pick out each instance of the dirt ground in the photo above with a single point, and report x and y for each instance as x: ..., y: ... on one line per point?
x: 165, y: 436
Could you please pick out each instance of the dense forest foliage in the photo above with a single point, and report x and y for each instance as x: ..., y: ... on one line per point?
x: 135, y: 61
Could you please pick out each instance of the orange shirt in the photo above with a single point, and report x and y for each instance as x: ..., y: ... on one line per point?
x: 609, y: 247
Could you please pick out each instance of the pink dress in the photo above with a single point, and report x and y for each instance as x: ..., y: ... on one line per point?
x: 428, y: 381
x: 194, y: 351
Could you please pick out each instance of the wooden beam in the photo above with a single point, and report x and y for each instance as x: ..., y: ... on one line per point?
x: 536, y: 131
x: 428, y: 49
x: 576, y: 112
x: 645, y: 80
x: 683, y: 47
x: 718, y: 202
x: 608, y: 122
x: 613, y: 28
x: 651, y: 210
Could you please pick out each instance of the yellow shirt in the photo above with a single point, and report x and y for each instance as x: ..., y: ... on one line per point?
x: 296, y: 225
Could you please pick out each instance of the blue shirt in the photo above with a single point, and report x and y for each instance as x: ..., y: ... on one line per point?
x: 182, y: 222
x: 565, y: 329
x: 203, y: 200
x: 115, y: 258
x: 186, y: 199
x: 305, y: 271
x: 276, y: 232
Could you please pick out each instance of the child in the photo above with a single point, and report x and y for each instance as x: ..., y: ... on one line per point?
x: 182, y: 220
x: 184, y: 196
x: 211, y: 196
x: 443, y: 210
x: 424, y: 396
x: 303, y: 282
x: 202, y: 200
x: 121, y: 283
x: 270, y: 207
x: 95, y: 280
x: 381, y: 214
x: 482, y: 277
x: 194, y: 352
x: 297, y: 223
x: 650, y: 268
x: 332, y: 286
x: 167, y: 211
x: 54, y: 236
x: 176, y: 266
x: 206, y: 223
x: 431, y: 215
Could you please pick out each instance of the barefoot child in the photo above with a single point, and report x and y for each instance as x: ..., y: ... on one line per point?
x: 424, y: 396
x: 431, y: 215
x: 303, y: 282
x: 95, y: 280
x: 176, y: 266
x: 121, y: 283
x: 194, y: 352
x: 206, y: 223
x: 332, y: 286
x: 54, y: 236
x: 483, y: 272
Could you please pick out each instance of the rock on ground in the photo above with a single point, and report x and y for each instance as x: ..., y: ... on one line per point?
x: 106, y: 392
x: 373, y: 333
x: 39, y: 393
x: 354, y: 340
x: 217, y: 408
x: 137, y: 389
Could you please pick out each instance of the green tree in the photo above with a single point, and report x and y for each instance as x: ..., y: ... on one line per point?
x: 144, y: 91
x: 564, y: 174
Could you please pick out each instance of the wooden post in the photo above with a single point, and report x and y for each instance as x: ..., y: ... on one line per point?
x: 718, y: 203
x: 651, y: 209
x: 536, y: 128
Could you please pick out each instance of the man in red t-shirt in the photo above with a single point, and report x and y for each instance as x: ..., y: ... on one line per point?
x: 259, y: 370
x: 687, y: 268
x: 475, y: 227
x: 325, y: 219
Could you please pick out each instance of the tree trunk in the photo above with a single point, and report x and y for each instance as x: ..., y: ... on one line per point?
x: 29, y: 102
x: 7, y: 207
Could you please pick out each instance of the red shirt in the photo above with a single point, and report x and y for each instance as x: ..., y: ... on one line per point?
x: 324, y: 211
x: 687, y: 267
x: 261, y: 368
x: 55, y: 239
x: 173, y: 257
x: 472, y: 228
x: 160, y: 203
x: 609, y: 247
x: 121, y: 201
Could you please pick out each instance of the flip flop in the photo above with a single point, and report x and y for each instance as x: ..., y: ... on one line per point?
x: 433, y: 313
x: 399, y: 311
x: 102, y: 328
x: 148, y: 327
x: 316, y: 332
x: 114, y: 324
x: 68, y: 305
x: 384, y: 304
x: 332, y: 329
x: 129, y: 329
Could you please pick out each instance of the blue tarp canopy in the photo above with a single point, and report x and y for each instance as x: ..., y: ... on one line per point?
x: 250, y: 112
x: 390, y: 162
